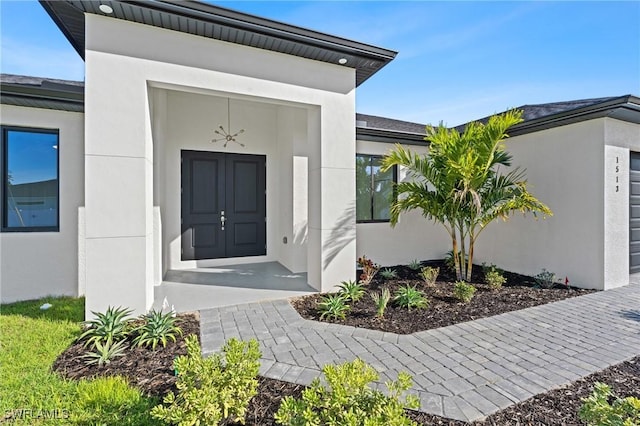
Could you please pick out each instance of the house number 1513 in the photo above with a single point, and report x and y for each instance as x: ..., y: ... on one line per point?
x: 617, y: 172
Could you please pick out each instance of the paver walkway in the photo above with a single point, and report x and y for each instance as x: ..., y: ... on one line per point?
x: 465, y: 371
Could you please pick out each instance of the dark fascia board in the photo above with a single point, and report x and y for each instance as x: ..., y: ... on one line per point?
x: 390, y: 136
x: 625, y: 108
x: 367, y: 59
x: 66, y: 98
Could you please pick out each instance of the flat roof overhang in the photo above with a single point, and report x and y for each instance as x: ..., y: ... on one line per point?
x: 206, y: 20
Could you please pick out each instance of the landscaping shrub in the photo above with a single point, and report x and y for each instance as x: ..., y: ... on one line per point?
x: 349, y: 400
x: 333, y: 306
x: 429, y: 275
x: 381, y: 300
x: 111, y: 325
x: 388, y: 273
x: 597, y: 411
x: 415, y: 265
x: 463, y: 291
x: 545, y: 279
x: 212, y: 389
x: 493, y: 276
x: 351, y: 290
x: 369, y: 270
x: 410, y: 297
x: 103, y: 353
x: 156, y: 327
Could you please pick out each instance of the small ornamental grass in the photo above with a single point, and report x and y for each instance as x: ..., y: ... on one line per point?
x: 463, y: 291
x: 415, y: 265
x: 429, y: 275
x: 156, y: 327
x: 381, y: 300
x: 333, y: 306
x: 388, y: 274
x: 410, y: 297
x: 349, y: 400
x: 212, y: 389
x: 597, y: 411
x: 351, y: 290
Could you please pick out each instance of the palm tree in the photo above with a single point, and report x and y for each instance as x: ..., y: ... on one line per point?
x: 459, y: 183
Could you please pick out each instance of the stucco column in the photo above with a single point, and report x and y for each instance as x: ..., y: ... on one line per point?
x: 119, y: 188
x: 332, y: 215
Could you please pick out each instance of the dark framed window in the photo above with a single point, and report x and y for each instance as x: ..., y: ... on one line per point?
x: 30, y: 179
x: 375, y: 189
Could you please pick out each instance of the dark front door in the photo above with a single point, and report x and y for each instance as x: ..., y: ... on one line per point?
x: 223, y: 205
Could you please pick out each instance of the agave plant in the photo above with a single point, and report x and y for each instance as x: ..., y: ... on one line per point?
x: 105, y: 352
x: 351, y: 290
x: 110, y: 326
x: 410, y: 297
x: 157, y: 327
x: 333, y: 306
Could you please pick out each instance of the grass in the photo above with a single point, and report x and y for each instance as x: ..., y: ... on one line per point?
x: 30, y: 341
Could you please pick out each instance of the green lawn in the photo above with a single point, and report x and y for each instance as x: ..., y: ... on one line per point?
x: 30, y: 341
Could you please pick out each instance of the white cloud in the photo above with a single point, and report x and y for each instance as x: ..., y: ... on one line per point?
x: 39, y: 60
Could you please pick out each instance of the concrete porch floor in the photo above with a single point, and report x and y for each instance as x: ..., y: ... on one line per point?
x: 203, y: 288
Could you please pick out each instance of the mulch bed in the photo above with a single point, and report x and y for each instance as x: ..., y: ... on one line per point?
x: 148, y: 370
x: 152, y: 372
x: 519, y: 292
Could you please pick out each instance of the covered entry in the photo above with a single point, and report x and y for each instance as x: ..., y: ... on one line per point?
x: 634, y: 212
x: 223, y: 205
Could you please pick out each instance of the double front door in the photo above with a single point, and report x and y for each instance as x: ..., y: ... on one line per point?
x: 223, y: 205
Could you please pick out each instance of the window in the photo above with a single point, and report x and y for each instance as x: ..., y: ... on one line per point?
x: 374, y: 189
x: 30, y: 198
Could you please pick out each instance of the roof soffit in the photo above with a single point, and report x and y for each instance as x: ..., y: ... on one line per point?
x: 205, y: 20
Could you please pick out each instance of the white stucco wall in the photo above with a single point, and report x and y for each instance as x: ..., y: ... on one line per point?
x: 36, y: 264
x: 580, y: 171
x: 122, y: 62
x: 412, y: 238
x: 565, y: 169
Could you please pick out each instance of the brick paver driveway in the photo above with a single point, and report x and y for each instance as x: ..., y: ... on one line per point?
x: 465, y: 371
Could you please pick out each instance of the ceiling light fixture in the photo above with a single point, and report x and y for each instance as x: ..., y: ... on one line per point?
x: 226, y: 135
x: 106, y: 8
x: 342, y: 61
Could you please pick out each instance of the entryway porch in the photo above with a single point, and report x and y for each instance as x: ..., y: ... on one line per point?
x: 202, y: 288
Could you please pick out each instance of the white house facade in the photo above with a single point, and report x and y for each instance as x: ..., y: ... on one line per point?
x: 204, y: 137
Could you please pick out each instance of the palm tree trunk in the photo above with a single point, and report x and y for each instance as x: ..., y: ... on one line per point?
x: 470, y: 264
x: 456, y: 259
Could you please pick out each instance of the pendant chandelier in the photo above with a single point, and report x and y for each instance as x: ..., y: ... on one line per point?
x: 226, y: 135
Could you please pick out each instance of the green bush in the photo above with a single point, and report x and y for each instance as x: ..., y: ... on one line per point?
x: 463, y: 291
x: 545, y: 279
x: 156, y: 327
x: 410, y: 297
x: 111, y: 325
x: 381, y: 300
x: 112, y: 401
x: 494, y: 278
x: 333, y: 306
x: 351, y: 290
x: 429, y: 275
x: 211, y: 389
x: 349, y: 400
x: 388, y: 273
x: 596, y: 410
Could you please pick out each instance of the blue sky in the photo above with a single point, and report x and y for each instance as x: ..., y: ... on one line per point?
x: 457, y: 61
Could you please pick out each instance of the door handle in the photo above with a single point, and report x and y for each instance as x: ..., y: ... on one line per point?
x: 222, y: 220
